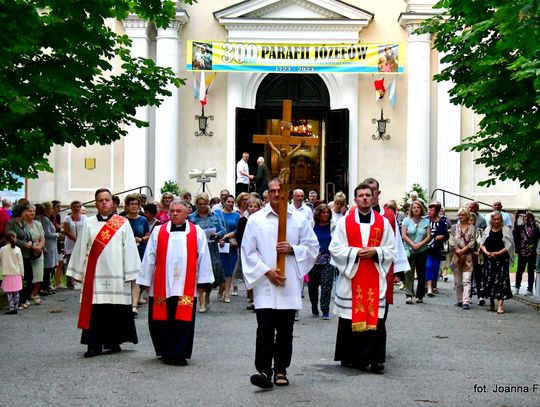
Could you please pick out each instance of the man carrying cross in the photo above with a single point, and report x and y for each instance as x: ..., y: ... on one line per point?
x: 276, y: 296
x: 175, y: 261
x: 363, y: 249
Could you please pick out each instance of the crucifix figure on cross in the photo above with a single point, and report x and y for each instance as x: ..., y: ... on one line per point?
x: 284, y: 140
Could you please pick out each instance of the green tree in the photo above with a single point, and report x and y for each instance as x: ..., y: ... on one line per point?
x: 492, y: 48
x: 57, y: 83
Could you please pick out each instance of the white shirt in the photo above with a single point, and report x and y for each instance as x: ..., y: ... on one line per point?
x: 176, y: 261
x: 304, y: 210
x: 75, y: 227
x: 259, y: 255
x: 242, y: 166
x: 117, y: 265
x: 344, y: 257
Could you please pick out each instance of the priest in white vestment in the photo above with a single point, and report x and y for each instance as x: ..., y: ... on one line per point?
x: 105, y: 259
x: 276, y: 299
x: 363, y: 342
x: 179, y: 251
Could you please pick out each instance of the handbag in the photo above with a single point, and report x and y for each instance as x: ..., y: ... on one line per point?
x: 33, y: 256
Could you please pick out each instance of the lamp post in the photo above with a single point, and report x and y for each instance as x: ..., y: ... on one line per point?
x: 381, y: 128
x: 203, y: 124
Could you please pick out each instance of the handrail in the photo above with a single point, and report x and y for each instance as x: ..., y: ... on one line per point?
x: 118, y: 193
x: 444, y: 191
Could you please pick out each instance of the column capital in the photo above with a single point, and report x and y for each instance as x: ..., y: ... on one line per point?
x: 180, y: 19
x: 134, y: 22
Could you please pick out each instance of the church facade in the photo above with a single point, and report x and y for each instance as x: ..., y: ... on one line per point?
x: 340, y: 109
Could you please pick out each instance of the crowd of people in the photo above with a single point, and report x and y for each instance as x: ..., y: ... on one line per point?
x: 173, y: 253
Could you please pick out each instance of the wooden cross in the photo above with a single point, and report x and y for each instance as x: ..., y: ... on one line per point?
x: 284, y: 140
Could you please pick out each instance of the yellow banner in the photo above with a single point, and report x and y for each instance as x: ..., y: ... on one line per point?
x: 367, y: 58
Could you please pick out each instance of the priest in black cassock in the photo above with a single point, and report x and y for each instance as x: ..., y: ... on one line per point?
x: 363, y: 249
x: 175, y: 261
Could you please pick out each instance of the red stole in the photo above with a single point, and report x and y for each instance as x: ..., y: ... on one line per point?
x: 365, y: 283
x: 184, y: 309
x: 389, y: 214
x: 104, y: 236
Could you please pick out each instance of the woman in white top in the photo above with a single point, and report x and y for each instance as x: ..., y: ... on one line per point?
x: 72, y: 227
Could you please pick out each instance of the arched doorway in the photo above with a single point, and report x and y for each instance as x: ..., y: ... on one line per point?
x: 311, y: 167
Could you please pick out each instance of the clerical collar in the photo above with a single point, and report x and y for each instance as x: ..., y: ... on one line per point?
x: 181, y: 228
x: 377, y: 208
x: 364, y: 218
x: 104, y: 218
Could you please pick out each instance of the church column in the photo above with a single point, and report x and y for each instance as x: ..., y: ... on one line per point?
x: 136, y: 141
x: 448, y: 136
x: 418, y: 98
x: 166, y: 121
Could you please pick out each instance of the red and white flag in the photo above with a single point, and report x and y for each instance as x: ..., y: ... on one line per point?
x: 380, y: 90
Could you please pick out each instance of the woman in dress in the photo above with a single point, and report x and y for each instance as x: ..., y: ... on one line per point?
x: 322, y: 273
x: 461, y: 246
x: 211, y: 224
x: 416, y: 234
x: 51, y: 247
x: 24, y: 242
x: 72, y: 227
x: 163, y: 214
x: 439, y: 235
x: 229, y: 218
x: 498, y: 250
x: 36, y: 252
x: 141, y: 232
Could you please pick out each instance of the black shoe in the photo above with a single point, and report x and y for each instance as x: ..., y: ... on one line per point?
x: 250, y: 307
x: 114, y: 349
x: 346, y: 363
x: 362, y: 368
x: 90, y: 353
x: 12, y: 312
x: 377, y: 368
x: 175, y: 362
x: 459, y: 304
x: 261, y: 380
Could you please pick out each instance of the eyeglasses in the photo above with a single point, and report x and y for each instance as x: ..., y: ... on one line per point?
x: 133, y: 204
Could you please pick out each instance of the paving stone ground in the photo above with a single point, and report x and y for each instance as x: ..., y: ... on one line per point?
x: 437, y: 355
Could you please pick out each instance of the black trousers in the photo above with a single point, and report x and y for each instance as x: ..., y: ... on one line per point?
x: 26, y: 291
x: 530, y: 263
x: 241, y: 188
x: 274, y: 340
x: 477, y: 274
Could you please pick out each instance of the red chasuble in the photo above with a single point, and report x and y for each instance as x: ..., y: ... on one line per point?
x: 184, y: 309
x: 365, y: 283
x: 102, y: 238
x: 389, y: 214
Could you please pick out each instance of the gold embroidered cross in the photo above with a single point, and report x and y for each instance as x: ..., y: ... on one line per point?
x: 377, y: 238
x: 359, y: 296
x: 115, y: 222
x: 186, y: 300
x: 159, y: 300
x: 105, y: 235
x: 371, y: 298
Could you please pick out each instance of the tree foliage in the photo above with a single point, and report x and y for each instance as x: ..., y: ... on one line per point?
x: 57, y: 78
x: 492, y: 48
